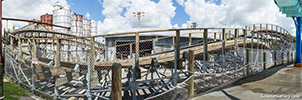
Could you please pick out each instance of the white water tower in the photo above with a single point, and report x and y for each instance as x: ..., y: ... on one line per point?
x: 62, y: 17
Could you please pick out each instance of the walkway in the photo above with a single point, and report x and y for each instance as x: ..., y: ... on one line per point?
x: 282, y: 81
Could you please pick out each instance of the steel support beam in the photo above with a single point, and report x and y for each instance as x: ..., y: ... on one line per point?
x: 298, y: 42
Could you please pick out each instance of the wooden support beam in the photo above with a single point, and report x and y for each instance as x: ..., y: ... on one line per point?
x: 205, y: 39
x: 177, y: 50
x: 29, y: 46
x: 107, y: 54
x: 190, y: 39
x: 264, y: 60
x: 92, y: 53
x: 34, y: 49
x: 247, y: 61
x: 292, y: 55
x: 282, y: 57
x: 20, y: 52
x: 229, y: 35
x: 173, y: 42
x: 45, y: 49
x: 129, y: 50
x: 93, y: 73
x: 223, y: 39
x: 138, y: 71
x: 153, y: 46
x: 288, y: 60
x: 12, y: 43
x: 214, y: 36
x: 86, y: 54
x: 236, y: 36
x: 69, y: 53
x: 58, y: 53
x: 191, y: 71
x: 220, y: 37
x: 116, y: 93
x: 275, y: 58
x: 244, y: 37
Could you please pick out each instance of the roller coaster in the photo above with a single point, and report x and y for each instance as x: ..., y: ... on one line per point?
x: 77, y: 67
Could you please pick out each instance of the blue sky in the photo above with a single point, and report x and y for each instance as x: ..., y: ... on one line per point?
x: 159, y: 13
x: 95, y: 8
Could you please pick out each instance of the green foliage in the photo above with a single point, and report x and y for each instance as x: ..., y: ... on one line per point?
x: 274, y: 41
x: 12, y: 92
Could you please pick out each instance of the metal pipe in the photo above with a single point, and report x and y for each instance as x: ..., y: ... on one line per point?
x: 24, y: 20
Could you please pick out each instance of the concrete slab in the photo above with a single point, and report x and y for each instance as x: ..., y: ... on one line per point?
x: 281, y: 83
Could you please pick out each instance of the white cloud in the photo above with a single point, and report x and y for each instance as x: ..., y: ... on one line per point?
x: 175, y: 26
x: 180, y: 2
x: 119, y: 14
x: 28, y: 9
x: 87, y: 15
x: 236, y: 13
x: 184, y: 25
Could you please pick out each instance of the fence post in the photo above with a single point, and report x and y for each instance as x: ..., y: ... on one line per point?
x: 92, y: 80
x: 214, y: 36
x: 275, y: 57
x: 191, y: 72
x: 282, y: 57
x: 153, y: 46
x: 223, y: 53
x: 173, y: 42
x: 34, y: 55
x: 92, y: 53
x: 45, y: 49
x: 244, y: 46
x: 58, y: 53
x: 86, y: 56
x: 130, y: 51
x: 107, y: 53
x: 235, y: 47
x: 138, y: 71
x: 177, y: 49
x: 205, y: 39
x: 252, y: 44
x: 288, y: 58
x: 116, y: 82
x: 264, y: 60
x: 247, y: 61
x: 190, y: 39
x: 292, y: 55
x: 176, y: 57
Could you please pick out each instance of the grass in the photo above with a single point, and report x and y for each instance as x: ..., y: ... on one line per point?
x: 12, y: 92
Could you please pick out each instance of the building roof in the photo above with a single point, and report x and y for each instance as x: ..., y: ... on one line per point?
x: 292, y: 8
x: 195, y: 33
x: 33, y: 27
